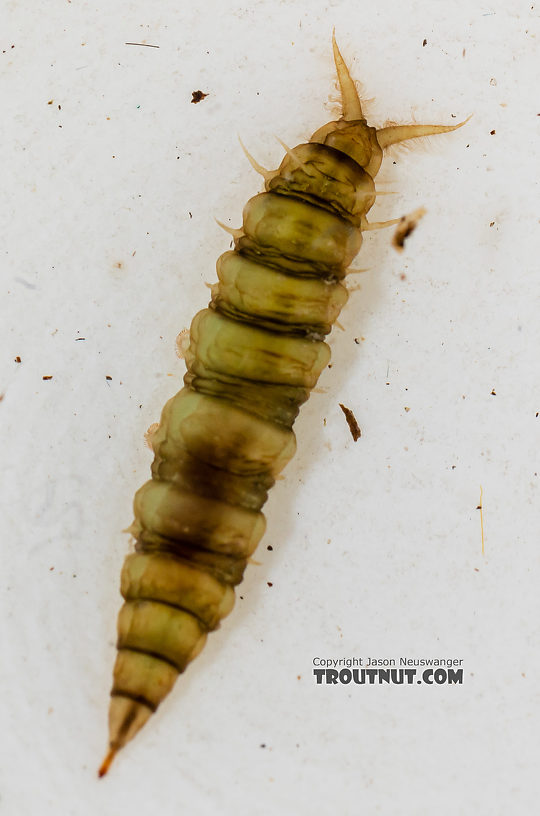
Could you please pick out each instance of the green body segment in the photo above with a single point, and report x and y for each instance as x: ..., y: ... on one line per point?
x: 236, y: 349
x: 161, y: 577
x: 305, y: 236
x: 253, y: 358
x: 328, y: 178
x: 259, y: 294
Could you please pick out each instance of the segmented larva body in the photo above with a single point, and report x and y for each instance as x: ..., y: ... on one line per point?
x: 253, y: 358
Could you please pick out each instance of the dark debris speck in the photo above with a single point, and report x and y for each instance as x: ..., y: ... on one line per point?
x: 197, y: 96
x: 354, y: 427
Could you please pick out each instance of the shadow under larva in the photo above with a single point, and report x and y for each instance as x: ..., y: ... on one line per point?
x: 254, y: 356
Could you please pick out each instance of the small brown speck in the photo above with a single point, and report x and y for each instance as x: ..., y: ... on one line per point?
x: 270, y: 583
x: 407, y: 224
x: 47, y: 377
x: 51, y: 569
x: 50, y: 101
x: 491, y: 223
x: 269, y: 547
x: 107, y: 377
x: 493, y: 393
x: 357, y: 341
x: 354, y: 427
x: 18, y: 360
x: 263, y: 744
x: 198, y: 96
x: 424, y: 44
x: 407, y: 409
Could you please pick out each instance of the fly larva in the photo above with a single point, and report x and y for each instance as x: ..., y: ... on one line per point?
x: 254, y: 356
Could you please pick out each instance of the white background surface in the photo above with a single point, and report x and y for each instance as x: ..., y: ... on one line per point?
x: 108, y: 234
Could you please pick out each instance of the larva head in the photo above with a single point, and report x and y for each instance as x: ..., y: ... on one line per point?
x: 353, y: 136
x: 350, y: 134
x: 356, y: 139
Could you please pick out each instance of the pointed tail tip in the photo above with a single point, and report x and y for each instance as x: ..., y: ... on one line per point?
x: 106, y: 764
